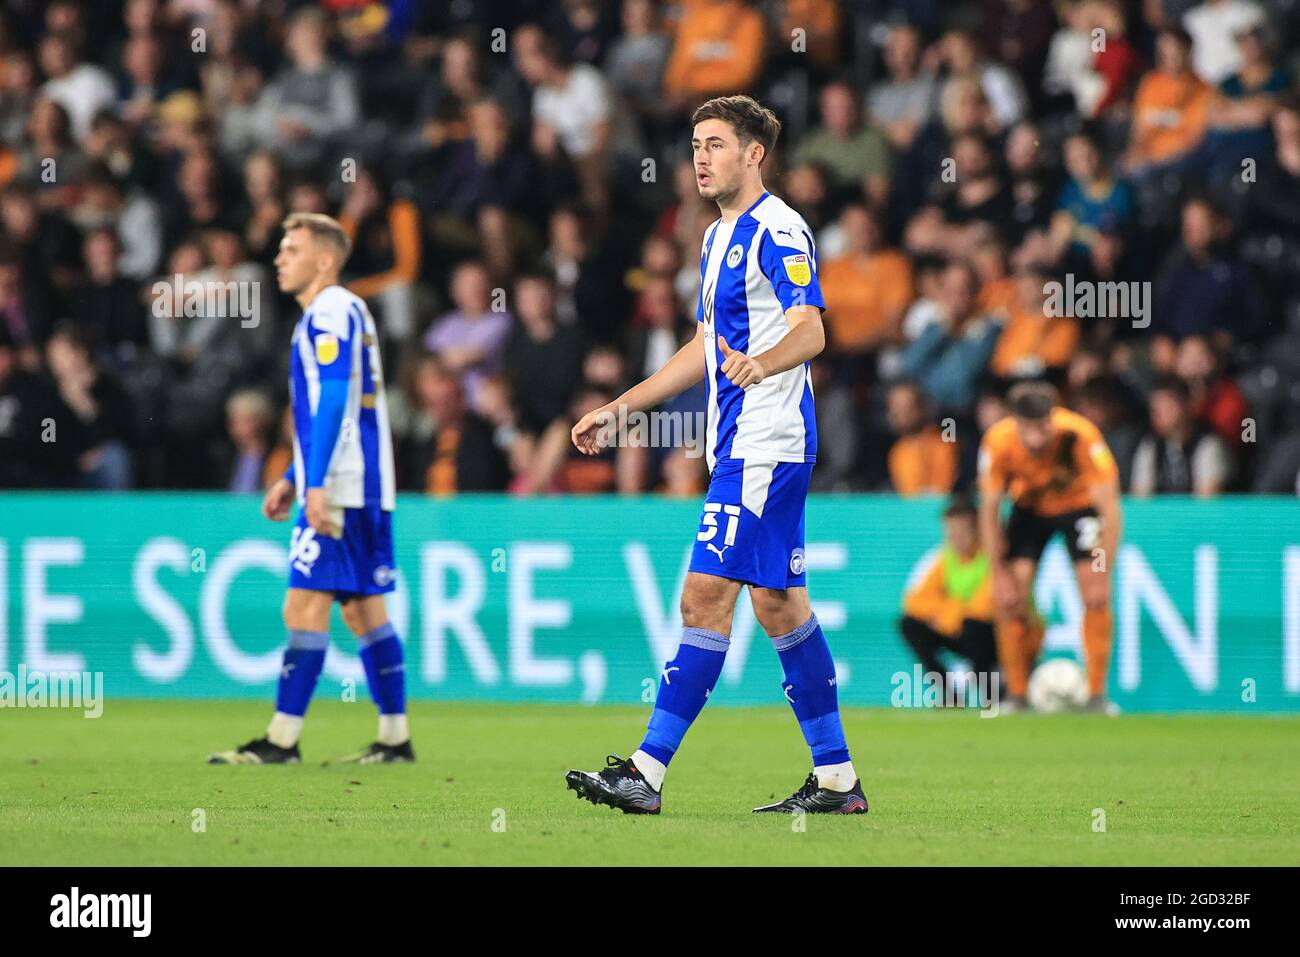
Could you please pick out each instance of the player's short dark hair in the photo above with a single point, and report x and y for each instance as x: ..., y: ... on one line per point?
x: 960, y: 506
x: 1032, y: 400
x: 752, y: 121
x: 322, y: 228
x: 1179, y: 35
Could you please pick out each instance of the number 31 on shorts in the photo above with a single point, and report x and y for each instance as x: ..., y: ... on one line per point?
x: 709, y: 521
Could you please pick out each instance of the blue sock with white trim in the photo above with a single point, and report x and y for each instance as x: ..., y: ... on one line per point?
x: 810, y: 688
x: 684, y: 687
x: 302, y: 664
x: 381, y: 656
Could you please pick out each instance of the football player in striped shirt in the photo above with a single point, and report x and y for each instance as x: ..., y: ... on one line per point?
x: 344, y: 482
x: 759, y: 323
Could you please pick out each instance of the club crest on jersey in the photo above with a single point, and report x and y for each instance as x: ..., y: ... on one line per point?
x: 327, y: 348
x: 734, y: 255
x: 798, y: 269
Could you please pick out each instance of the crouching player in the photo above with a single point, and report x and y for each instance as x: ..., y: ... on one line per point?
x: 343, y: 477
x: 1061, y: 477
x: 950, y: 611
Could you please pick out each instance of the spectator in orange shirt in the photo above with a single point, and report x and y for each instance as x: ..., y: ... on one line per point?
x: 718, y: 48
x: 867, y: 289
x: 1170, y: 108
x: 1033, y: 342
x: 921, y: 462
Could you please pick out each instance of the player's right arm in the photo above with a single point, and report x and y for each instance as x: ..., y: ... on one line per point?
x: 279, y: 498
x: 678, y: 374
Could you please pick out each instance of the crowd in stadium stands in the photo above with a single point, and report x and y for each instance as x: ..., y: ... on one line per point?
x: 516, y: 177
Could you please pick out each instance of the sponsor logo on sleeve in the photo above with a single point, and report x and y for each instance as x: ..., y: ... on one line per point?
x: 798, y: 269
x: 327, y: 348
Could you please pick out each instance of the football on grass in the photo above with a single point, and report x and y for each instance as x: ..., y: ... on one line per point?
x: 1057, y: 685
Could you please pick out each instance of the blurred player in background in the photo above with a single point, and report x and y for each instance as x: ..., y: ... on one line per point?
x: 343, y: 478
x: 758, y: 325
x: 1061, y: 477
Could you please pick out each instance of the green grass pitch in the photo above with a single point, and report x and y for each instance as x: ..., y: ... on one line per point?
x: 945, y: 788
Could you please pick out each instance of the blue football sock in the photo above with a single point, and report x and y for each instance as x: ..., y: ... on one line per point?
x: 683, y: 689
x: 303, y: 661
x: 381, y: 656
x: 810, y: 688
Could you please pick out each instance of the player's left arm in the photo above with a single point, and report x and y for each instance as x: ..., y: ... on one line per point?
x: 790, y: 265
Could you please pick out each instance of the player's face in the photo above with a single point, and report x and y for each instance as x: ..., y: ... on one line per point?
x: 960, y: 530
x: 719, y: 160
x: 1035, y: 434
x: 298, y: 261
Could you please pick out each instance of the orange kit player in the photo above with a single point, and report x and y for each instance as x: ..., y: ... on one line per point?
x: 1061, y: 477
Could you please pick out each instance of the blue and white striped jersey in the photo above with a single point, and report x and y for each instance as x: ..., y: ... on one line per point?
x: 336, y: 340
x: 752, y: 271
